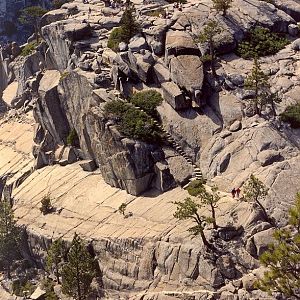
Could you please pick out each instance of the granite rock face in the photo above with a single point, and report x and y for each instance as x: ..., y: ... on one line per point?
x: 67, y: 104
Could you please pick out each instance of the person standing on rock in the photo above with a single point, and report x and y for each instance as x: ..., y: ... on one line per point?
x: 238, y: 191
x: 233, y: 192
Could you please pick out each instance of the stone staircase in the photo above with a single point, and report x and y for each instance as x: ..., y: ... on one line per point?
x: 197, y: 174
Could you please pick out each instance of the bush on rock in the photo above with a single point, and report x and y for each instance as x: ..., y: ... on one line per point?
x: 292, y: 115
x: 132, y: 122
x: 147, y: 100
x: 261, y: 42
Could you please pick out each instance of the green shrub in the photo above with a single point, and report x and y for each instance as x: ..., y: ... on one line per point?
x: 261, y: 42
x: 116, y: 108
x: 64, y: 75
x: 72, y: 138
x: 129, y: 27
x: 122, y: 208
x: 48, y: 287
x: 132, y: 122
x: 29, y: 48
x: 138, y: 125
x: 115, y: 38
x: 46, y: 207
x: 292, y: 115
x: 195, y: 186
x: 147, y: 100
x: 22, y: 287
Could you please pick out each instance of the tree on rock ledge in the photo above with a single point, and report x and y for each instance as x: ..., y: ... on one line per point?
x: 79, y: 271
x: 31, y: 16
x: 222, y: 5
x: 283, y: 259
x: 208, y: 35
x: 188, y: 210
x: 197, y: 189
x: 128, y: 23
x: 255, y: 191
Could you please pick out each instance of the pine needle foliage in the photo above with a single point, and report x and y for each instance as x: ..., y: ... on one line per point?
x: 79, y: 271
x: 222, y: 5
x: 208, y: 35
x: 197, y: 189
x: 31, y: 16
x: 188, y: 210
x: 255, y: 191
x: 261, y: 42
x: 55, y: 257
x: 283, y: 259
x: 257, y: 81
x: 10, y: 236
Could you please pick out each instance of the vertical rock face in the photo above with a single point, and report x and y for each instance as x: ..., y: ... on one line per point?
x: 60, y: 37
x: 67, y: 103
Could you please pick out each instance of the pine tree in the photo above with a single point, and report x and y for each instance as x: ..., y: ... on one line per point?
x: 197, y: 189
x: 208, y: 36
x: 188, y: 210
x: 283, y: 259
x: 128, y: 23
x: 55, y: 258
x: 255, y: 191
x: 257, y: 81
x: 79, y: 271
x: 10, y: 236
x: 222, y: 5
x: 31, y: 16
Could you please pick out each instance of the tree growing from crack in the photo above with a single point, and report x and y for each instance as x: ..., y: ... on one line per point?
x: 188, y: 210
x: 255, y: 191
x: 197, y: 189
x: 222, y: 5
x: 32, y: 16
x: 208, y: 35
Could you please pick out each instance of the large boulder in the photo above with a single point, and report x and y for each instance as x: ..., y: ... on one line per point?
x: 60, y: 37
x: 53, y: 16
x: 291, y: 7
x: 173, y: 95
x: 180, y: 43
x: 187, y: 72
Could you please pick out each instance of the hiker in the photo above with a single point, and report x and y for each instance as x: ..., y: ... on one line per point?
x: 233, y: 192
x: 238, y: 190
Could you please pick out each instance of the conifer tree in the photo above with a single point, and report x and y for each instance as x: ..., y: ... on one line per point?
x: 255, y: 191
x: 188, y: 210
x: 208, y: 36
x: 79, y: 271
x: 222, y: 5
x: 10, y: 236
x: 283, y: 259
x: 31, y: 16
x: 257, y: 81
x: 55, y: 258
x: 197, y: 189
x: 128, y: 23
